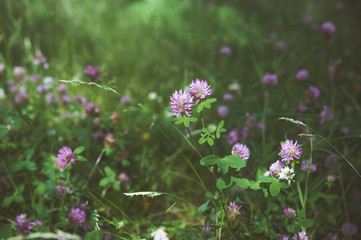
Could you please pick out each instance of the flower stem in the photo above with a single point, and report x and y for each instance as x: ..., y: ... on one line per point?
x: 64, y: 192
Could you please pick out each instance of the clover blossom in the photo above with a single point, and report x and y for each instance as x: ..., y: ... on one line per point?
x: 77, y: 215
x: 233, y: 211
x: 270, y: 79
x: 159, y: 234
x: 181, y: 103
x: 300, y: 236
x: 289, y: 151
x: 328, y: 30
x: 302, y: 75
x: 199, y: 90
x: 65, y: 157
x: 241, y: 150
x: 287, y: 174
x: 304, y: 166
x: 275, y: 169
x: 93, y: 72
x: 290, y: 212
x: 206, y: 232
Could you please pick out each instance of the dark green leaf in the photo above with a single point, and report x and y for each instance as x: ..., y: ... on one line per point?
x: 224, y: 166
x: 203, y: 207
x: 266, y: 179
x: 210, y: 141
x: 307, y: 223
x: 5, y: 232
x: 3, y: 130
x: 109, y: 172
x: 275, y: 188
x: 210, y: 160
x: 81, y: 158
x: 241, y: 182
x: 224, y: 182
x: 254, y: 185
x: 235, y: 161
x: 104, y: 182
x: 179, y: 121
x: 7, y: 201
x: 31, y: 166
x: 16, y: 122
x: 79, y: 150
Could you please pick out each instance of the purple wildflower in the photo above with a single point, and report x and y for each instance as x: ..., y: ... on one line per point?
x: 289, y: 151
x: 223, y: 111
x: 65, y: 157
x: 312, y: 93
x: 304, y: 166
x: 233, y: 211
x: 302, y: 107
x: 302, y: 75
x: 228, y: 96
x: 206, y: 232
x: 300, y: 236
x: 244, y: 132
x: 290, y: 212
x: 181, y: 103
x: 60, y: 189
x: 331, y: 178
x: 124, y: 179
x: 65, y: 99
x: 326, y: 115
x: 284, y: 237
x: 79, y: 99
x: 241, y: 150
x: 23, y: 226
x: 199, y: 90
x: 126, y: 100
x: 93, y: 72
x: 40, y: 59
x: 21, y: 98
x: 98, y: 135
x: 335, y: 70
x: 61, y: 89
x: 19, y: 72
x: 51, y: 98
x: 41, y: 89
x: 328, y: 30
x: 307, y: 19
x: 77, y: 215
x: 276, y: 168
x: 91, y: 109
x: 107, y: 236
x: 270, y: 79
x: 232, y: 136
x: 349, y: 229
x: 225, y: 50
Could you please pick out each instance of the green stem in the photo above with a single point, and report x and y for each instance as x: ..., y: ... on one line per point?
x: 308, y: 173
x: 94, y: 167
x: 64, y: 193
x: 343, y: 197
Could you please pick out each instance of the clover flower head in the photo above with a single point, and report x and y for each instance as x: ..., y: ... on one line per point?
x: 181, y: 103
x: 233, y: 211
x: 290, y: 212
x: 241, y: 150
x: 77, y: 215
x: 300, y: 236
x: 304, y: 166
x: 289, y: 151
x: 312, y: 93
x: 302, y: 75
x: 232, y: 136
x: 93, y: 72
x: 65, y: 157
x: 270, y: 79
x: 222, y: 111
x: 199, y: 89
x: 276, y: 168
x: 328, y: 30
x: 60, y: 189
x: 159, y: 234
x: 349, y: 229
x: 326, y: 115
x: 206, y: 232
x: 225, y: 50
x: 287, y: 174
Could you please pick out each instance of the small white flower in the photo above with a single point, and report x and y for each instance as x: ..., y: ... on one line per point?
x: 233, y: 87
x: 159, y: 234
x: 48, y: 82
x: 287, y: 174
x: 152, y: 96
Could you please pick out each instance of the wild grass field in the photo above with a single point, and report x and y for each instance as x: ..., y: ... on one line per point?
x: 180, y: 119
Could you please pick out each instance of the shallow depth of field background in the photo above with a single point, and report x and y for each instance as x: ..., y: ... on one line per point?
x: 145, y: 46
